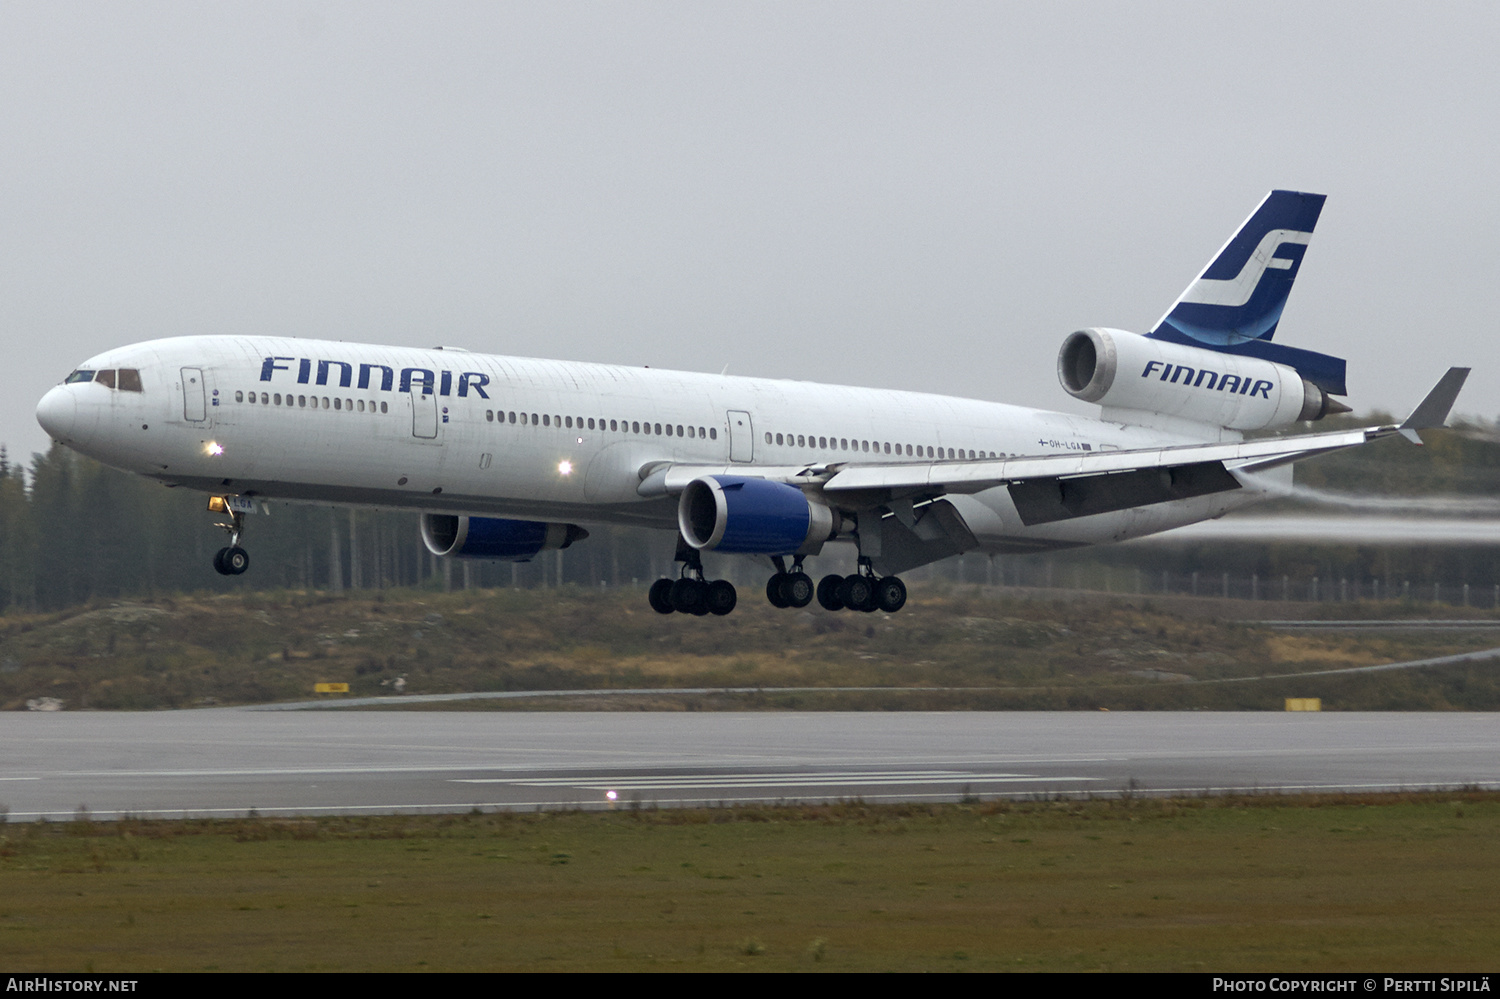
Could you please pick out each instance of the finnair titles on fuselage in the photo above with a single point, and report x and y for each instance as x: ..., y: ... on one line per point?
x: 506, y: 457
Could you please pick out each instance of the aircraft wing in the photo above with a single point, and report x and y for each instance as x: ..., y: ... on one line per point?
x: 1055, y: 487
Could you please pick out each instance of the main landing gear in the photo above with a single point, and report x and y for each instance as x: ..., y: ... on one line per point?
x: 233, y: 560
x: 691, y: 593
x: 863, y: 591
x: 789, y: 589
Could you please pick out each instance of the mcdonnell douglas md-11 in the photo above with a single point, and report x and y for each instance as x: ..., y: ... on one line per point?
x: 506, y: 457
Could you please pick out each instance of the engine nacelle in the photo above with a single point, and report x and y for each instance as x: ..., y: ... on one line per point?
x: 494, y: 537
x: 1127, y: 371
x: 731, y: 513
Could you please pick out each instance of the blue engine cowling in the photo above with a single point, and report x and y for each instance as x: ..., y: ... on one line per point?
x: 494, y: 537
x: 732, y: 513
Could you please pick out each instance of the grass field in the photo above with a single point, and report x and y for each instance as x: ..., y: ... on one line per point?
x: 1013, y: 649
x: 1308, y: 883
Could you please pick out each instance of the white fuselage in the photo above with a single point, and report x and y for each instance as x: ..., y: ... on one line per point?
x: 449, y: 431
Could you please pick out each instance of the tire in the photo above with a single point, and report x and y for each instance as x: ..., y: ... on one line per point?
x: 721, y: 597
x: 828, y: 593
x: 797, y: 589
x: 858, y: 593
x: 890, y: 594
x: 773, y: 591
x: 236, y: 560
x: 219, y: 562
x: 660, y: 596
x: 687, y: 596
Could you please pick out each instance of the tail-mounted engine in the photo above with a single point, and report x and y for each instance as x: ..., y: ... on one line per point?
x: 1126, y: 371
x: 494, y: 537
x: 731, y: 513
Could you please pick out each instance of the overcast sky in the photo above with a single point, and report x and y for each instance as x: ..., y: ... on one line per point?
x: 914, y: 195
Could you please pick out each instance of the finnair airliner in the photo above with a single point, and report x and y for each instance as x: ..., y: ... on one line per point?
x: 506, y: 457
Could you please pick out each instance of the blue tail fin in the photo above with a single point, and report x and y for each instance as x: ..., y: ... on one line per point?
x: 1234, y: 305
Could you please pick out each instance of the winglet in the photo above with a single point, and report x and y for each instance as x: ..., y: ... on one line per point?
x: 1432, y: 412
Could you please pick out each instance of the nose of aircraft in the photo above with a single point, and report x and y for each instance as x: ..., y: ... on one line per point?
x: 58, y: 413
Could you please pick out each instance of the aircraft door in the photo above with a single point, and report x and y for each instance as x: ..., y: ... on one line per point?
x: 741, y: 436
x: 194, y: 404
x: 424, y: 415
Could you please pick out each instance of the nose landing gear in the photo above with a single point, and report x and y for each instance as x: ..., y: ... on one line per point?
x: 231, y: 560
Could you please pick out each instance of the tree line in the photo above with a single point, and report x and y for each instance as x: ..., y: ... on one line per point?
x: 73, y: 530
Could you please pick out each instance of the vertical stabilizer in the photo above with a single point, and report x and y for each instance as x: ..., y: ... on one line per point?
x: 1234, y: 305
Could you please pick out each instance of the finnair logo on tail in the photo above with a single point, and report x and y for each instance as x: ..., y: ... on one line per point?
x: 1236, y: 291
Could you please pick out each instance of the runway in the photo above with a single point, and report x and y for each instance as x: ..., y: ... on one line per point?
x: 231, y: 761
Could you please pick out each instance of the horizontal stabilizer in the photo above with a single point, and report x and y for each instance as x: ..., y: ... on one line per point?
x: 1432, y: 412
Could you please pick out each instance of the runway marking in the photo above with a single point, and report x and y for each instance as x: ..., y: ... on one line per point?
x: 66, y: 815
x: 674, y: 782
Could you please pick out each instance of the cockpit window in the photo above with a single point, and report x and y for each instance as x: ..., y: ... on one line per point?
x: 106, y: 378
x: 81, y: 375
x: 130, y: 380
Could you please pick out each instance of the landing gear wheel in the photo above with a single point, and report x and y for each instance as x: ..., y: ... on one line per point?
x: 797, y: 589
x: 234, y: 560
x: 219, y: 562
x: 773, y: 591
x: 687, y: 596
x: 890, y: 594
x: 660, y: 596
x: 828, y: 593
x: 858, y: 593
x: 721, y: 597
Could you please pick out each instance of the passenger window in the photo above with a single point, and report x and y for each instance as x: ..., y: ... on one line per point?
x: 240, y: 397
x: 713, y: 433
x: 613, y: 425
x: 337, y: 404
x: 591, y: 423
x: 658, y: 428
x: 278, y: 398
x: 768, y: 437
x: 669, y: 430
x: 570, y: 422
x: 106, y: 378
x: 701, y: 433
x: 679, y: 430
x: 690, y: 433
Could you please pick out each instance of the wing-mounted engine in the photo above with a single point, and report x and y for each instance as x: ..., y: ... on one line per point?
x: 732, y: 513
x: 1130, y: 375
x: 495, y: 537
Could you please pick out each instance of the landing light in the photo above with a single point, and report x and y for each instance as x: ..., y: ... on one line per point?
x: 214, y: 448
x: 611, y: 795
x: 565, y: 467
